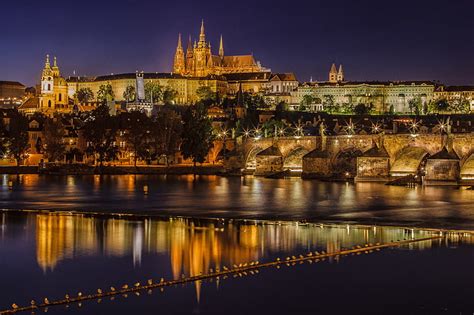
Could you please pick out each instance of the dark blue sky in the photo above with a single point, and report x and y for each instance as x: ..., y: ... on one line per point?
x: 375, y: 40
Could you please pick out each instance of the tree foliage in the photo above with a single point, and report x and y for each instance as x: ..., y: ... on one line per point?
x: 105, y: 93
x: 197, y: 135
x: 169, y: 96
x: 54, y: 146
x: 137, y: 128
x: 100, y: 131
x: 153, y: 92
x: 84, y: 95
x: 129, y: 93
x: 18, y: 137
x: 166, y: 133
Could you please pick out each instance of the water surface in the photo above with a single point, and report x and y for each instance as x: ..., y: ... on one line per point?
x: 247, y: 197
x: 49, y: 255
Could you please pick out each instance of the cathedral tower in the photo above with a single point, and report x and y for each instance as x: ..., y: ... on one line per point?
x: 47, y: 80
x: 179, y: 65
x: 340, y: 74
x: 333, y: 74
x: 202, y: 53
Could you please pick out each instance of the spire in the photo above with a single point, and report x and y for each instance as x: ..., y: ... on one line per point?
x: 340, y: 74
x: 333, y: 68
x: 221, y: 48
x: 179, y: 66
x: 190, y: 44
x: 202, y: 35
x: 47, y: 64
x: 55, y: 63
x: 180, y: 47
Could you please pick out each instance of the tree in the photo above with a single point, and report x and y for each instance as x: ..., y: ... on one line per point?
x: 105, y: 93
x: 18, y: 136
x: 254, y: 101
x: 460, y: 105
x: 328, y: 103
x: 307, y: 101
x: 169, y: 96
x: 153, y: 92
x: 137, y: 134
x: 206, y: 95
x: 415, y: 105
x: 362, y: 109
x: 129, y: 93
x: 440, y: 105
x: 3, y: 138
x: 348, y: 108
x: 197, y: 135
x: 281, y: 106
x: 100, y: 131
x: 54, y: 146
x: 166, y: 133
x: 84, y: 95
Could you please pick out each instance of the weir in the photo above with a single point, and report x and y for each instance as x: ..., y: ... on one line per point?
x: 236, y: 270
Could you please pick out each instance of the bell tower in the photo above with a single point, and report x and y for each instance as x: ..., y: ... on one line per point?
x: 47, y: 78
x: 333, y: 74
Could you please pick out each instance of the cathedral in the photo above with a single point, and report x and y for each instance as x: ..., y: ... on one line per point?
x: 198, y: 61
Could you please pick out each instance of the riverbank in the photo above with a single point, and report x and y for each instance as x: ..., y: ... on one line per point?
x: 79, y: 169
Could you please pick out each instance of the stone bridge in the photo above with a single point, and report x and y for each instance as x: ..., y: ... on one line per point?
x: 406, y: 153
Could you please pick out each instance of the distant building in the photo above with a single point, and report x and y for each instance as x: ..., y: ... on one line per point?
x: 52, y: 95
x: 199, y: 61
x: 11, y: 94
x: 455, y: 93
x: 383, y: 95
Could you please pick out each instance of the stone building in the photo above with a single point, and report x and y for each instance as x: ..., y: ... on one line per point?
x: 199, y: 61
x: 317, y: 164
x: 11, y: 94
x: 383, y: 95
x: 269, y: 161
x: 455, y: 93
x: 442, y: 168
x: 52, y: 95
x: 184, y: 86
x: 373, y: 165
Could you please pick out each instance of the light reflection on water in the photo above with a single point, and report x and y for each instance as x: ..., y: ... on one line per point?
x: 62, y: 245
x: 249, y: 197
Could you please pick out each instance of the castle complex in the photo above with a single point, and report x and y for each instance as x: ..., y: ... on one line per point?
x: 198, y: 61
x: 198, y: 67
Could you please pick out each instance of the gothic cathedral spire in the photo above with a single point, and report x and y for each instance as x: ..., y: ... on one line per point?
x: 202, y: 35
x: 221, y: 48
x: 179, y: 66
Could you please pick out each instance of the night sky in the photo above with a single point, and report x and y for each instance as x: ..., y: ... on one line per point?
x: 375, y: 40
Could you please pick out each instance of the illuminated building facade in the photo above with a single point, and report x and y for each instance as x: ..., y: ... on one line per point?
x: 199, y: 61
x: 383, y: 95
x: 53, y: 92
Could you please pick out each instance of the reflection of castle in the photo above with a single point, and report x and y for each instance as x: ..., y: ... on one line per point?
x: 196, y: 246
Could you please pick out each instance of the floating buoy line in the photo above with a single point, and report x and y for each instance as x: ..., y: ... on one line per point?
x: 224, y: 272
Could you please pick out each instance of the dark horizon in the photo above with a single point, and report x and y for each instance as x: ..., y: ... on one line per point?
x: 374, y: 41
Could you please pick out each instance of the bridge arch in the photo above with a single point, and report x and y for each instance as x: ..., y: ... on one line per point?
x: 294, y: 158
x: 344, y: 162
x: 251, y: 157
x: 409, y: 160
x: 467, y: 168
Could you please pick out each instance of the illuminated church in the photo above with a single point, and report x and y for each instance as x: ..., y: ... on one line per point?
x: 198, y: 61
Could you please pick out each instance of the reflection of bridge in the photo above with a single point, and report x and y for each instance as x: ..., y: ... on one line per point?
x: 404, y: 153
